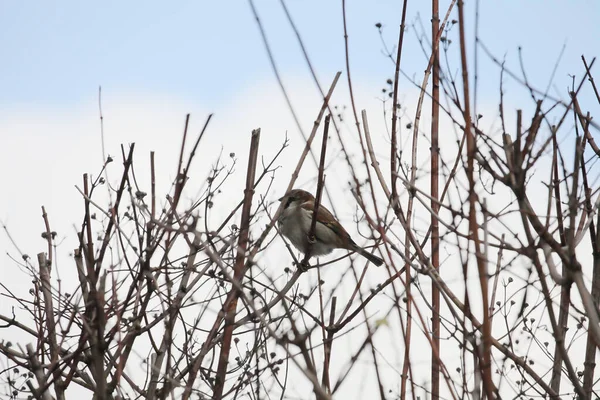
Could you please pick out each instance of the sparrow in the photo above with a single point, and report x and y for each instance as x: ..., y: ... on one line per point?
x: 296, y: 218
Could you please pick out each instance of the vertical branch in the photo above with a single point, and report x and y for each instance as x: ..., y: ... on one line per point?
x: 591, y: 346
x: 180, y: 172
x: 38, y: 372
x: 92, y: 305
x: 114, y: 211
x: 409, y: 299
x: 473, y: 226
x: 49, y: 236
x: 565, y: 290
x: 153, y: 185
x: 320, y: 182
x: 238, y: 272
x: 590, y: 77
x: 44, y: 265
x: 435, y: 205
x: 573, y: 204
x: 327, y: 346
x: 406, y: 224
x: 105, y: 159
x: 99, y: 346
x: 89, y: 250
x: 496, y: 278
x: 394, y: 145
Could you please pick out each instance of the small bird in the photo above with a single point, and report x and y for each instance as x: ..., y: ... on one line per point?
x: 296, y: 218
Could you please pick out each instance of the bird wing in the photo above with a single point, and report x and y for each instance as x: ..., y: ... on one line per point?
x: 326, y: 219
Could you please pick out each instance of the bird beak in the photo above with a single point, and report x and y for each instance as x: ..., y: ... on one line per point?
x: 281, y: 198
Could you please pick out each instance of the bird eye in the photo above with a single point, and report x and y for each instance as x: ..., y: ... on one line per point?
x: 289, y: 202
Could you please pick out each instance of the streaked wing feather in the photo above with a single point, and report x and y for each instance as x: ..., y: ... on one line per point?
x: 323, y: 215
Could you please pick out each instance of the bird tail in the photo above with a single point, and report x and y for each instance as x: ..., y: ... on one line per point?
x: 371, y: 257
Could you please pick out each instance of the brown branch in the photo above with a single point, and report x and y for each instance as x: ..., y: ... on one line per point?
x: 591, y: 346
x: 591, y: 78
x: 320, y: 183
x: 486, y: 366
x: 38, y: 372
x: 565, y: 290
x: 89, y: 250
x: 114, y: 211
x: 153, y: 186
x: 584, y: 123
x: 44, y: 265
x: 435, y: 230
x: 238, y: 274
x: 394, y: 145
x: 327, y: 345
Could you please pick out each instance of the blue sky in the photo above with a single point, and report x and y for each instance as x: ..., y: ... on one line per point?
x: 58, y: 55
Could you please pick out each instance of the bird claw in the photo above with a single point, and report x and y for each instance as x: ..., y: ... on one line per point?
x: 303, y: 266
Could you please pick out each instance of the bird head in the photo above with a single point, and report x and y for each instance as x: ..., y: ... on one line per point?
x: 297, y: 196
